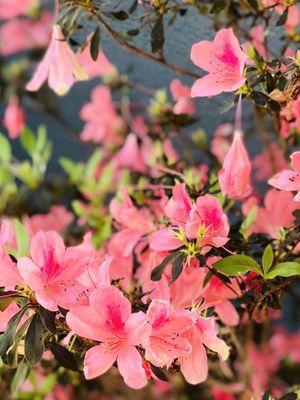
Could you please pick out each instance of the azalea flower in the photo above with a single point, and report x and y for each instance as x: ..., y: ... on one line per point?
x: 182, y: 95
x: 52, y: 270
x: 289, y: 179
x: 224, y: 61
x: 203, y: 332
x: 108, y: 319
x: 234, y: 176
x: 11, y: 9
x: 166, y: 342
x: 14, y: 118
x: 59, y: 66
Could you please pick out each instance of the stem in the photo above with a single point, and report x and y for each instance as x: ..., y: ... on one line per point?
x: 129, y: 47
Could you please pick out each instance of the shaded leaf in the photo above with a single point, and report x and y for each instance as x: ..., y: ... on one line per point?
x: 119, y: 15
x: 218, y: 6
x: 177, y: 267
x: 157, y: 35
x: 21, y: 374
x: 63, y: 356
x: 159, y: 373
x: 34, y: 342
x: 159, y: 269
x: 259, y: 98
x: 48, y: 319
x: 95, y: 44
x: 289, y: 396
x: 283, y: 18
x: 8, y: 337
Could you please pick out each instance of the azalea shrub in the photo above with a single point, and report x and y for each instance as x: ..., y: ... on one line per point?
x: 165, y: 265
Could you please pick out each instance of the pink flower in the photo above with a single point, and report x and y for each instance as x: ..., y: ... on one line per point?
x: 166, y: 342
x: 194, y: 365
x: 108, y: 319
x: 59, y: 66
x: 220, y: 144
x: 179, y: 206
x: 293, y: 19
x: 257, y: 41
x: 57, y: 219
x: 289, y: 179
x: 182, y: 95
x: 101, y: 67
x: 129, y: 156
x: 9, y: 273
x: 269, y: 161
x: 224, y: 61
x: 26, y: 33
x: 14, y: 118
x: 207, y: 222
x: 11, y: 9
x: 234, y: 176
x: 276, y: 213
x: 52, y: 270
x: 104, y: 125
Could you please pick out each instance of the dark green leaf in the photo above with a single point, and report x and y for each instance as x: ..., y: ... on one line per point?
x: 12, y: 352
x: 159, y: 373
x: 95, y: 44
x: 266, y: 395
x: 119, y: 15
x: 218, y: 6
x: 259, y: 98
x: 177, y: 267
x: 285, y: 269
x: 34, y: 341
x: 236, y: 265
x: 289, y: 396
x: 159, y: 269
x: 133, y: 7
x: 157, y: 35
x: 8, y: 337
x: 267, y: 258
x: 133, y: 32
x: 63, y: 356
x: 283, y: 17
x: 19, y: 377
x: 48, y: 319
x: 274, y: 105
x: 253, y: 4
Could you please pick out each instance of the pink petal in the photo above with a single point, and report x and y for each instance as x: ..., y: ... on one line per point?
x: 164, y: 240
x: 138, y: 329
x: 45, y: 243
x: 208, y: 329
x: 85, y: 322
x: 97, y: 361
x: 30, y: 272
x: 203, y: 54
x: 227, y: 313
x: 207, y: 86
x: 295, y: 161
x: 286, y: 180
x: 130, y: 365
x: 9, y: 273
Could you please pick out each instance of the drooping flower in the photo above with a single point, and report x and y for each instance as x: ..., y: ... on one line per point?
x: 234, y: 176
x: 224, y: 61
x: 59, y: 66
x: 182, y: 95
x: 289, y: 179
x: 14, y: 118
x: 52, y: 270
x: 108, y: 319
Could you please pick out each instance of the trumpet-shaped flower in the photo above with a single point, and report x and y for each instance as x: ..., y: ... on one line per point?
x: 289, y: 179
x: 59, y: 65
x: 52, y: 270
x: 108, y: 319
x: 224, y: 61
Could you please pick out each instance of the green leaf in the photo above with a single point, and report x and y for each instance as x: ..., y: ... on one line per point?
x: 157, y: 35
x: 159, y: 269
x: 92, y: 164
x: 119, y: 15
x: 48, y: 319
x: 95, y: 44
x: 267, y: 258
x: 285, y: 269
x: 177, y: 267
x: 64, y: 357
x: 5, y: 149
x: 12, y: 353
x: 22, y: 238
x: 259, y: 98
x: 19, y: 377
x: 159, y: 373
x: 218, y: 6
x: 237, y: 264
x: 34, y: 341
x: 28, y: 141
x: 289, y: 396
